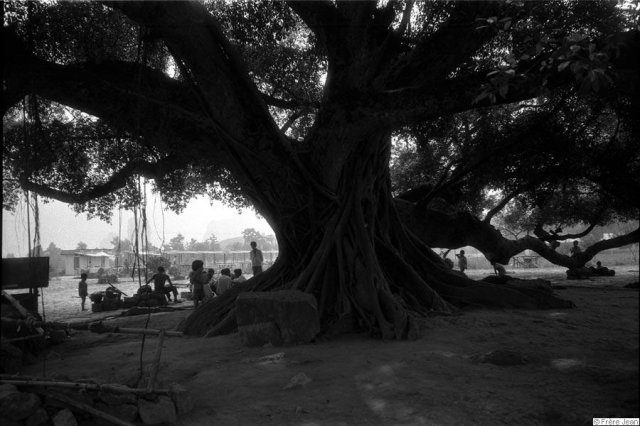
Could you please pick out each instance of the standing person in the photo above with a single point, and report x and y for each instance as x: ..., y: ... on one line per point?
x: 224, y: 282
x: 575, y: 250
x: 83, y: 289
x: 198, y: 279
x: 462, y: 261
x: 256, y: 258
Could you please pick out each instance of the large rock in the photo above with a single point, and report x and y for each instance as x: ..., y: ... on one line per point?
x: 39, y: 418
x: 6, y: 390
x: 64, y: 417
x: 278, y: 317
x: 18, y: 406
x: 157, y: 412
x: 10, y: 359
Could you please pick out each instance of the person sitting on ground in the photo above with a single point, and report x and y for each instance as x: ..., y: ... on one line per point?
x: 208, y: 292
x: 237, y: 276
x: 198, y: 279
x: 498, y: 269
x: 602, y: 270
x: 159, y: 279
x: 212, y: 282
x: 224, y: 282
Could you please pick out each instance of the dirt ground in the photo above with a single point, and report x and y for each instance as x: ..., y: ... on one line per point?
x: 578, y: 364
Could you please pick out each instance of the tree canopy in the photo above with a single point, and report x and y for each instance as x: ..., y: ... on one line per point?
x: 293, y: 107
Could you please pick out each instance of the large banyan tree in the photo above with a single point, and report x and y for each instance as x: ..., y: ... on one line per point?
x: 293, y: 107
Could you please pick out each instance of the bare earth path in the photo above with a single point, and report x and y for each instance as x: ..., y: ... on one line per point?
x: 578, y: 364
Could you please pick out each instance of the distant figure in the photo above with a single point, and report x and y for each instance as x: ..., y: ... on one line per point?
x: 83, y: 289
x: 237, y: 276
x: 211, y: 283
x: 498, y: 269
x: 602, y: 270
x: 198, y: 279
x: 462, y: 261
x: 159, y: 279
x: 256, y: 258
x: 224, y: 282
x: 575, y: 250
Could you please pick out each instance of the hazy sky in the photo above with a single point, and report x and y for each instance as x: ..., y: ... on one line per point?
x: 59, y: 224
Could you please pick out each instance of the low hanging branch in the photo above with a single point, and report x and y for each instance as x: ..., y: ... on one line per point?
x: 117, y: 181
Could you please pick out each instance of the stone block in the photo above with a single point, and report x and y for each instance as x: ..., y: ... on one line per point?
x: 278, y: 317
x: 157, y: 412
x: 19, y: 406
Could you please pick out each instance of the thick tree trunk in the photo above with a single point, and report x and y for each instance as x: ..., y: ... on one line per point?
x: 355, y: 255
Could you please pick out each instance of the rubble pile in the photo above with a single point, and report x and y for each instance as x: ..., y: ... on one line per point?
x: 38, y: 404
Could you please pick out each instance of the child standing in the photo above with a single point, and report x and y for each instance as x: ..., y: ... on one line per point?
x: 462, y: 261
x: 83, y: 289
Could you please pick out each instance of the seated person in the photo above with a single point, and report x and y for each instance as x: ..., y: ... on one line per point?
x: 212, y: 283
x: 237, y: 276
x: 170, y: 288
x: 500, y: 276
x: 498, y: 269
x: 602, y: 270
x: 224, y: 282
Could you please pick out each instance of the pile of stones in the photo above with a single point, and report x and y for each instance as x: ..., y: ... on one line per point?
x: 40, y: 405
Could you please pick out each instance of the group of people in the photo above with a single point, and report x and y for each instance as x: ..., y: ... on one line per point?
x: 204, y: 284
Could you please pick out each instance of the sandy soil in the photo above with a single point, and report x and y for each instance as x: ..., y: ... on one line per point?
x: 580, y: 363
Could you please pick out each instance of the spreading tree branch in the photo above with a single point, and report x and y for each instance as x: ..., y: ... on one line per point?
x: 457, y: 229
x: 118, y: 180
x: 440, y: 53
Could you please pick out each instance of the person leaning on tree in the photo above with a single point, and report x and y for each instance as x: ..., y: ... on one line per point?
x: 256, y: 258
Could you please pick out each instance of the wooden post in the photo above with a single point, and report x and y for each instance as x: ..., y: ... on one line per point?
x: 156, y: 363
x: 44, y: 382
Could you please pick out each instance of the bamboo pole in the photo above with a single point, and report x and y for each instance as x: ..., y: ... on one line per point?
x: 155, y: 366
x: 102, y: 329
x: 89, y: 409
x: 43, y: 382
x: 17, y: 339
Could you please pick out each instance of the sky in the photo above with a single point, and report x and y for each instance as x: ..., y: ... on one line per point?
x: 61, y: 225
